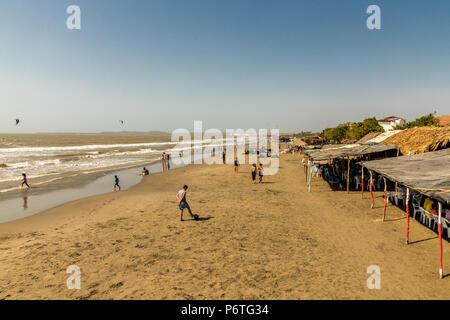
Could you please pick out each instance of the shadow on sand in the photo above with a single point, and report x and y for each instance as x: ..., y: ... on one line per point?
x: 202, y: 218
x: 417, y: 241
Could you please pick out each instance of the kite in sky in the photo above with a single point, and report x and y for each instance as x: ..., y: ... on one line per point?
x: 17, y: 121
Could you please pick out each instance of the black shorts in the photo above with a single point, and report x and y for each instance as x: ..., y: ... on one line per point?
x: 253, y: 175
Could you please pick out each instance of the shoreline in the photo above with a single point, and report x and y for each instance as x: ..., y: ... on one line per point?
x: 83, y: 186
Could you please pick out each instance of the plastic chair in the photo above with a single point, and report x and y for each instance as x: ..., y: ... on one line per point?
x: 417, y: 212
x: 357, y: 182
x: 427, y: 218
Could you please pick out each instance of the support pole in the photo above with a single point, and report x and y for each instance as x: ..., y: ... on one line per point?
x: 306, y: 173
x: 407, y: 215
x: 385, y: 198
x: 398, y: 151
x: 309, y: 177
x: 362, y: 182
x: 440, y: 240
x: 371, y: 193
x: 348, y: 174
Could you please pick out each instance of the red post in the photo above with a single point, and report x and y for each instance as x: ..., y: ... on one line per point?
x: 362, y: 182
x: 385, y: 199
x: 371, y: 193
x: 407, y: 216
x: 440, y: 241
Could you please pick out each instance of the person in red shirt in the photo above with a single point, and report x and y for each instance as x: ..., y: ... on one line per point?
x: 260, y: 172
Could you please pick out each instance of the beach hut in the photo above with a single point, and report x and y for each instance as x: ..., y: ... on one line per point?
x: 426, y: 173
x: 347, y: 153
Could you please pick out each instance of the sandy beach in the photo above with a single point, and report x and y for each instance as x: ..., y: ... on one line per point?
x: 254, y: 241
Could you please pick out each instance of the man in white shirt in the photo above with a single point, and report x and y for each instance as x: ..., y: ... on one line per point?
x: 182, y: 203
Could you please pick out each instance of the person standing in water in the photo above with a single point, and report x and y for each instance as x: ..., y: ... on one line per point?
x: 163, y: 161
x: 236, y: 165
x: 24, y: 181
x: 182, y: 203
x: 116, y: 183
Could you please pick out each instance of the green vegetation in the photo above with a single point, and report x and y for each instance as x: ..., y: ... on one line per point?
x: 360, y: 129
x: 353, y: 132
x: 303, y: 134
x: 428, y: 120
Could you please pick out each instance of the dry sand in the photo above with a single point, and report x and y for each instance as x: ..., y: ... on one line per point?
x: 268, y: 241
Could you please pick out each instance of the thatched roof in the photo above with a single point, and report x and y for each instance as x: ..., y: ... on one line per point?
x: 421, y: 139
x: 368, y: 137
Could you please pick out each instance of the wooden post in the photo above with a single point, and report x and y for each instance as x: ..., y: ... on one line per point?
x: 306, y: 171
x: 407, y: 215
x: 362, y: 182
x: 371, y: 184
x: 398, y: 150
x: 310, y: 176
x: 348, y: 174
x: 385, y: 198
x: 440, y: 240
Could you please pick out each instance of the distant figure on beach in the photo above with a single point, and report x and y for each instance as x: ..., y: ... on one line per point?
x: 116, y: 183
x: 24, y: 180
x: 223, y: 157
x: 182, y: 203
x: 145, y: 172
x: 236, y: 165
x: 168, y: 158
x: 254, y: 173
x: 163, y: 161
x: 260, y: 172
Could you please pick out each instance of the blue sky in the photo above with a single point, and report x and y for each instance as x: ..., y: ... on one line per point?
x: 160, y: 65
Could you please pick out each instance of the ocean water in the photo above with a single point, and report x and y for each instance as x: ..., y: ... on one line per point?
x: 53, y: 158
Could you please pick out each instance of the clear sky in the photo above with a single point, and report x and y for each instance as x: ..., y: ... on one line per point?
x: 161, y: 64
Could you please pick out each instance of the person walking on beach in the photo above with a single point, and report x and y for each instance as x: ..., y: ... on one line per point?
x: 116, y: 183
x: 260, y: 172
x: 182, y: 203
x: 163, y: 161
x: 236, y: 165
x: 24, y: 181
x: 254, y: 173
x: 223, y: 157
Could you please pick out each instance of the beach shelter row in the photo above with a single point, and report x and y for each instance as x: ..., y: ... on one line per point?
x: 427, y: 173
x: 350, y: 151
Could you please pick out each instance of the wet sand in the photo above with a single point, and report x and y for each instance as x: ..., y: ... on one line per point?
x: 27, y: 202
x: 265, y: 241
